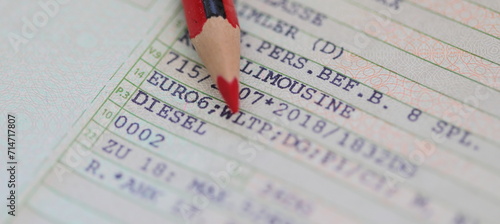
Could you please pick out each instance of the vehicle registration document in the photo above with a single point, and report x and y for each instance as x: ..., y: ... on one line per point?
x: 352, y: 111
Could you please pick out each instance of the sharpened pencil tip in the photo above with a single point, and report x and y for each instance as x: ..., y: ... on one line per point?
x: 230, y: 91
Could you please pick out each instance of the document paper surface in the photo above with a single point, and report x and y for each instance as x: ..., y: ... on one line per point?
x: 352, y: 111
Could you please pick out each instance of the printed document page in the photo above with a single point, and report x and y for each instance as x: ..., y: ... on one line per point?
x: 54, y: 60
x: 352, y: 111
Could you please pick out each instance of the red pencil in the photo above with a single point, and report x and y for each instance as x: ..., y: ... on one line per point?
x: 215, y: 33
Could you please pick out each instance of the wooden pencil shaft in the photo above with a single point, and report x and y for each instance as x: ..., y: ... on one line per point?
x: 214, y: 8
x: 218, y: 46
